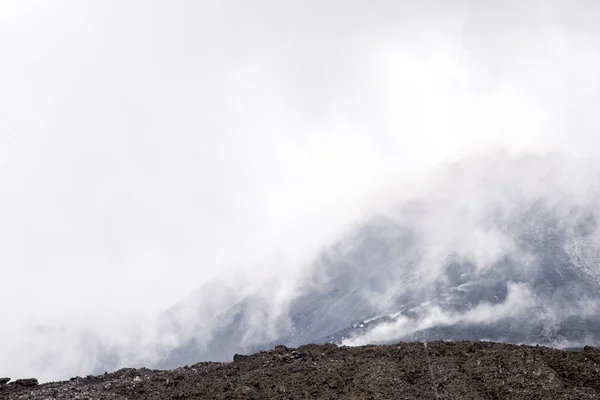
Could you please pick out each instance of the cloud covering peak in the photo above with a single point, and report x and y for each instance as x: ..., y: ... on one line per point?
x: 149, y: 147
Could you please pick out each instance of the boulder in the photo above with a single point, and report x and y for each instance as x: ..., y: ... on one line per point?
x: 26, y: 382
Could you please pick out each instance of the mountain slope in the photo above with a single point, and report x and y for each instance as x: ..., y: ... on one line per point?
x: 491, y: 258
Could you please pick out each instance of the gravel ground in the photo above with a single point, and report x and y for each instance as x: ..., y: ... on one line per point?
x: 434, y: 370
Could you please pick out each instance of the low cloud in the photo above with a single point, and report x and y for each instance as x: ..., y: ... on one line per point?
x: 519, y: 300
x: 149, y: 148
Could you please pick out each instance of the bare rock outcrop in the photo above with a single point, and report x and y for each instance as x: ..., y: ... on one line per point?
x: 28, y: 382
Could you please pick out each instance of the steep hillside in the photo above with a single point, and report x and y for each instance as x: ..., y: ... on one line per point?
x: 373, y: 288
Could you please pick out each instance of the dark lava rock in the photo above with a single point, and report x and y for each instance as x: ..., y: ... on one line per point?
x: 238, y: 357
x: 435, y: 370
x: 26, y: 382
x: 4, y: 381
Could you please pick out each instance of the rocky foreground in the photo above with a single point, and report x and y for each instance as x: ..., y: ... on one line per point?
x: 435, y: 370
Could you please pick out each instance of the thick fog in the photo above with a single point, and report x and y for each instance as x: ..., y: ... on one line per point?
x: 149, y: 147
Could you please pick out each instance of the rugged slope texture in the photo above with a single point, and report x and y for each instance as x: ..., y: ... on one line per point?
x: 435, y: 370
x: 373, y: 291
x: 496, y: 248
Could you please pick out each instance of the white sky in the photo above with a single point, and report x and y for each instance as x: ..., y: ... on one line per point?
x: 146, y: 146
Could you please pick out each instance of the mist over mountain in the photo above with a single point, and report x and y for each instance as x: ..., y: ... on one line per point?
x: 185, y: 180
x: 501, y: 248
